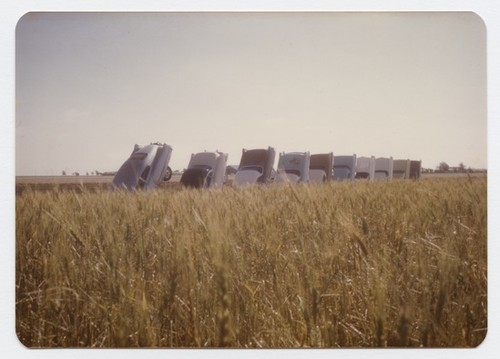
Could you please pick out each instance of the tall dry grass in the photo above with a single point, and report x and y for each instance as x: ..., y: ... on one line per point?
x: 335, y: 265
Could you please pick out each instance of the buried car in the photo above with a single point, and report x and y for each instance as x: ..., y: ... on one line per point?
x: 344, y: 167
x: 415, y: 169
x: 293, y: 167
x: 365, y: 168
x: 321, y: 167
x: 256, y: 166
x: 384, y: 168
x: 401, y: 169
x: 146, y: 167
x: 205, y: 170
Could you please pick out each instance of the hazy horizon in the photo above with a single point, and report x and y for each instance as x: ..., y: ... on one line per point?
x: 91, y: 85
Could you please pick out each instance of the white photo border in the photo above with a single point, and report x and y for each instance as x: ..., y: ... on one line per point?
x: 11, y: 11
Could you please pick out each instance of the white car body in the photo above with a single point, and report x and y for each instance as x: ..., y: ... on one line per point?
x: 293, y: 167
x: 384, y: 168
x: 145, y: 168
x: 256, y: 166
x: 365, y: 168
x: 344, y: 168
x: 247, y: 177
x: 205, y: 169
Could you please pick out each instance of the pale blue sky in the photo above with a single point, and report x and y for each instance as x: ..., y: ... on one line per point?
x: 91, y: 85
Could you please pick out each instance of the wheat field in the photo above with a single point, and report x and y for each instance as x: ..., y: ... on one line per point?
x: 399, y: 264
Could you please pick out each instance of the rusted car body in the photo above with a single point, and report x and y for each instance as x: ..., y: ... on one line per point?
x: 256, y: 166
x: 321, y: 167
x: 415, y: 169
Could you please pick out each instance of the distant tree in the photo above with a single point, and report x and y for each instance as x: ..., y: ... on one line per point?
x: 444, y: 167
x: 64, y: 173
x: 461, y: 167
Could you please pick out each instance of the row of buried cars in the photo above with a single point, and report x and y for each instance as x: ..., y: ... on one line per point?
x: 147, y: 166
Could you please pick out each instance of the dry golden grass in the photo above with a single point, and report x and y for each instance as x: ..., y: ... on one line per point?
x: 335, y: 265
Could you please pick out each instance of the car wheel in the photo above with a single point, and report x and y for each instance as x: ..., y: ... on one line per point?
x: 168, y: 174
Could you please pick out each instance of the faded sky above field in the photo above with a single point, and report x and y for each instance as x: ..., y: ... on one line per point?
x: 91, y: 85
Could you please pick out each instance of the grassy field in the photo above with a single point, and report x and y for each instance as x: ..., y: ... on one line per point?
x: 335, y: 265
